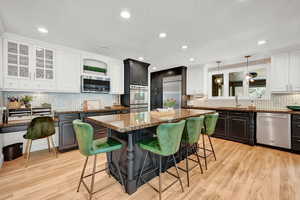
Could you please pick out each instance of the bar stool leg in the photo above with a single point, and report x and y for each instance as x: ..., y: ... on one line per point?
x: 93, y: 177
x: 53, y: 146
x: 48, y: 141
x: 178, y: 173
x: 28, y: 152
x: 187, y: 165
x: 198, y: 157
x: 212, y: 148
x: 159, y: 175
x: 26, y: 149
x: 82, y: 173
x: 204, y: 150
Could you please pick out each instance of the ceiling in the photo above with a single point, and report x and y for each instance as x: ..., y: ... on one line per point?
x: 212, y: 29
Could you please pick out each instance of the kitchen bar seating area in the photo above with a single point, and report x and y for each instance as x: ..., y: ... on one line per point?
x: 147, y: 100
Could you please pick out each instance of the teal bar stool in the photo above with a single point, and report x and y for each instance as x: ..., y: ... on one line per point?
x: 210, y: 122
x: 190, y: 139
x: 39, y: 128
x: 89, y: 147
x: 166, y: 144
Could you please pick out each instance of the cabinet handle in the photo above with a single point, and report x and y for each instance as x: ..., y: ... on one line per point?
x: 297, y: 140
x: 298, y: 126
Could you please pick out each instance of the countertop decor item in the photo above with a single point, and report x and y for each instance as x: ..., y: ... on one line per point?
x: 26, y: 100
x: 295, y: 108
x: 170, y: 103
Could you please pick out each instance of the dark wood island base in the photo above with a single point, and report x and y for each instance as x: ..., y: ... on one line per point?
x: 132, y: 128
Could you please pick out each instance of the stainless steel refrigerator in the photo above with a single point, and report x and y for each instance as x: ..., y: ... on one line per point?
x: 172, y: 91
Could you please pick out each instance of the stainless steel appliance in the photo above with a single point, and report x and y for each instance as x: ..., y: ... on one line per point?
x: 138, y: 98
x: 172, y: 91
x: 95, y: 84
x: 274, y: 129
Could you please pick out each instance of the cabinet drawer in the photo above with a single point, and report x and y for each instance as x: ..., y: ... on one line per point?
x: 68, y: 117
x: 296, y: 118
x: 239, y: 114
x: 295, y: 144
x: 296, y: 129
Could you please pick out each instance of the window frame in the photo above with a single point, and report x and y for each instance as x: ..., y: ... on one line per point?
x: 246, y: 96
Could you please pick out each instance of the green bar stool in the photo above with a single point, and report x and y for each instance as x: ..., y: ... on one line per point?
x: 210, y: 122
x: 39, y: 128
x: 89, y: 147
x: 190, y: 139
x: 166, y: 144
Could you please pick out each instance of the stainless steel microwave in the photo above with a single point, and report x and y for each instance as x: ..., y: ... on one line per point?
x: 95, y: 84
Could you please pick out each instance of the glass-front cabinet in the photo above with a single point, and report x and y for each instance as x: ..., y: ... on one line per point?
x: 17, y: 60
x: 44, y: 64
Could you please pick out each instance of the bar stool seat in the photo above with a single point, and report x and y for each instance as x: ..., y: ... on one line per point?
x: 190, y: 139
x: 89, y: 147
x: 210, y: 122
x: 166, y: 144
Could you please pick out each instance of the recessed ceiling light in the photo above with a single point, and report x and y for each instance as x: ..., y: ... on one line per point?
x: 125, y: 14
x: 184, y: 47
x: 141, y: 58
x: 192, y: 59
x: 154, y: 68
x: 42, y: 30
x: 262, y: 42
x: 162, y: 35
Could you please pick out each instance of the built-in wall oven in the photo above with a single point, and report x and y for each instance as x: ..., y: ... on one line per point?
x: 95, y: 84
x: 138, y: 98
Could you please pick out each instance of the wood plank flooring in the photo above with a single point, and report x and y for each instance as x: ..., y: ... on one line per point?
x: 240, y: 172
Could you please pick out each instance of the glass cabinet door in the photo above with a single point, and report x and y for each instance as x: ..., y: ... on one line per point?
x: 17, y: 60
x: 44, y: 64
x: 217, y: 85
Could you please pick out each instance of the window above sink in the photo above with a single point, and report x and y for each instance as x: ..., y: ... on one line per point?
x: 228, y: 83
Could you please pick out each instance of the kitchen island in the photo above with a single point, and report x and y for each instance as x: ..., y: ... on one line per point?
x: 132, y: 128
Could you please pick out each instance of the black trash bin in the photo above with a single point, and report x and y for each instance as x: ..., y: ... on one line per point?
x: 12, y: 151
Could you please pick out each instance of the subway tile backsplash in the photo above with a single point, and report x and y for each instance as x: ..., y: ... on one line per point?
x: 65, y: 101
x: 277, y: 101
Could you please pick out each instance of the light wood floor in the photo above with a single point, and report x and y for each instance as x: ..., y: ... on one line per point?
x: 240, y: 172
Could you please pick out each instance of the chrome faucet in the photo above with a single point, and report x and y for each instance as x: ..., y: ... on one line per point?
x: 237, y: 101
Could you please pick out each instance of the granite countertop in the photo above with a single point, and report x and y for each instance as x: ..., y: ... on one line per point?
x: 106, y: 109
x: 134, y: 121
x: 244, y: 109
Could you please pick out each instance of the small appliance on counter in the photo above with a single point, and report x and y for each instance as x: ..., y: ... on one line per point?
x: 92, y: 105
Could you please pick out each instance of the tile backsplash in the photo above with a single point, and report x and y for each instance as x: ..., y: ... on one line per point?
x: 276, y: 101
x: 65, y: 101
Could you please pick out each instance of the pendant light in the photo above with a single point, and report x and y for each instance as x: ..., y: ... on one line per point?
x: 219, y: 80
x: 248, y: 75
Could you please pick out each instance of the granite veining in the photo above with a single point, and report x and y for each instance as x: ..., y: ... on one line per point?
x: 134, y: 121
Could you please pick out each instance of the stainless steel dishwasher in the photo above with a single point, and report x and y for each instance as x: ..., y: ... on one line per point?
x: 274, y: 129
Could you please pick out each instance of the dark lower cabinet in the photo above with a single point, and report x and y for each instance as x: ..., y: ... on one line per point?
x: 296, y: 133
x: 67, y: 137
x: 236, y: 126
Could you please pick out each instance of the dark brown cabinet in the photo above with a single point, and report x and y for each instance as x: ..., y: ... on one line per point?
x: 138, y: 72
x: 296, y: 133
x: 236, y: 126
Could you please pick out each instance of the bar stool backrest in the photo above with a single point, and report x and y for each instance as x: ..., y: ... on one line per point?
x: 194, y: 125
x: 210, y: 122
x: 40, y: 127
x: 84, y: 135
x: 169, y: 137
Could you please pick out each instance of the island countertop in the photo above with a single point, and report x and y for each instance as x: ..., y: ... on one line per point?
x: 134, y: 121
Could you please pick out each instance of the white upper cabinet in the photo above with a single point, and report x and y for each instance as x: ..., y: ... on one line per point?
x: 116, y: 73
x: 68, y: 71
x: 280, y: 73
x: 295, y: 71
x: 194, y: 80
x: 16, y: 59
x: 44, y: 64
x: 285, y: 70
